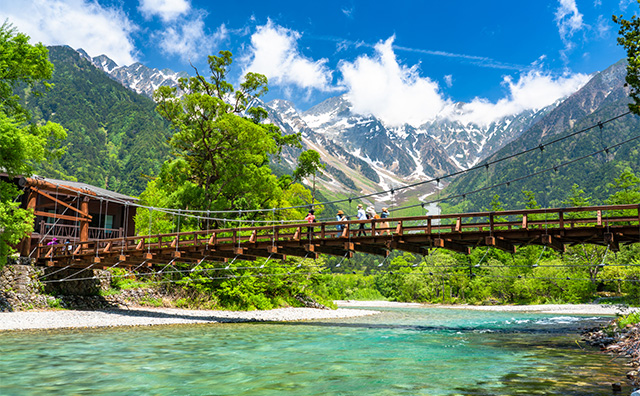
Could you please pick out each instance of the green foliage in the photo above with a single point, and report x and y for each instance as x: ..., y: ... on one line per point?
x: 22, y: 145
x: 54, y: 303
x: 115, y: 139
x: 20, y: 63
x: 223, y: 153
x: 263, y: 284
x: 632, y: 318
x: 629, y: 38
x: 121, y: 279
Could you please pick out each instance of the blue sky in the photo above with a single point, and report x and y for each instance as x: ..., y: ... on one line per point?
x: 399, y: 60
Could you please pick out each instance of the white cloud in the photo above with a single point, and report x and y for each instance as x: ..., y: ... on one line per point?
x: 189, y: 41
x: 624, y: 4
x: 396, y: 94
x: 348, y: 12
x: 167, y: 10
x: 569, y: 20
x: 448, y: 79
x: 533, y: 91
x: 77, y: 23
x: 274, y: 53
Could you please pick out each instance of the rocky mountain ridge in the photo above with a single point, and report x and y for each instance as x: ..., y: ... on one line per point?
x: 362, y: 154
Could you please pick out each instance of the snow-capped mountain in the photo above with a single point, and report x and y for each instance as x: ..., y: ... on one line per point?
x: 365, y: 150
x: 138, y: 77
x: 362, y: 154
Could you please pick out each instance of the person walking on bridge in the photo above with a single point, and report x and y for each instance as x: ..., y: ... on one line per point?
x: 340, y: 217
x: 385, y: 226
x: 362, y: 215
x: 311, y: 218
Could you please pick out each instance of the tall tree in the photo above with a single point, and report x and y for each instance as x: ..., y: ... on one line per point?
x: 220, y: 137
x: 21, y: 144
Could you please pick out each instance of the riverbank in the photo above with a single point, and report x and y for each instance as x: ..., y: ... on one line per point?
x: 149, y: 316
x: 560, y: 309
x: 59, y: 319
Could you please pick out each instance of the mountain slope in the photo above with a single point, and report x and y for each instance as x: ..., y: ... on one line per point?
x: 115, y: 137
x: 602, y: 98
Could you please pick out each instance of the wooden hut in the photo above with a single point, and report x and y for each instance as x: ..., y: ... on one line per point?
x: 70, y: 212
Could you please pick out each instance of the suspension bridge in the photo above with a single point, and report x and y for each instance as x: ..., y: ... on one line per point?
x: 556, y: 228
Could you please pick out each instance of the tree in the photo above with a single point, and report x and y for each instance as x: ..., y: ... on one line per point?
x: 629, y: 38
x: 21, y: 144
x: 308, y: 164
x: 221, y: 139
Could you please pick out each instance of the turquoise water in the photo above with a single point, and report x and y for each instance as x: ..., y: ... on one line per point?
x: 400, y: 352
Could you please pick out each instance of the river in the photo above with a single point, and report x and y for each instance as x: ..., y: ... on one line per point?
x: 403, y: 351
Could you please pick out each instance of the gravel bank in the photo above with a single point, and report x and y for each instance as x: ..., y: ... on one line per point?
x: 567, y: 309
x: 30, y: 320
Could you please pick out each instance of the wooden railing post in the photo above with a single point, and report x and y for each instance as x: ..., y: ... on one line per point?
x: 84, y: 223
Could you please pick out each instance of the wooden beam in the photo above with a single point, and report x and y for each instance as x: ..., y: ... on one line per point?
x: 44, y: 185
x: 611, y: 242
x: 84, y: 214
x: 451, y: 245
x: 500, y: 243
x: 84, y: 223
x: 552, y: 242
x: 25, y: 248
x: 55, y: 215
x: 371, y: 249
x: 265, y: 253
x: 299, y: 252
x: 408, y: 247
x: 334, y: 251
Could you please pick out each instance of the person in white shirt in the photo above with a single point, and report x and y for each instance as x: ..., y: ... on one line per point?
x: 362, y: 215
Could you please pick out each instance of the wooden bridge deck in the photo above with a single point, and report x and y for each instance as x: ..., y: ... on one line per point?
x: 556, y: 228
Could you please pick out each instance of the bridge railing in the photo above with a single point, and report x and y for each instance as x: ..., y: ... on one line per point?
x: 591, y: 216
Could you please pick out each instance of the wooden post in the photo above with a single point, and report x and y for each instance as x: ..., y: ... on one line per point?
x: 84, y: 223
x: 26, y: 243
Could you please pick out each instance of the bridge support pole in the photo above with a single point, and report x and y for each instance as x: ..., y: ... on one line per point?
x: 25, y: 248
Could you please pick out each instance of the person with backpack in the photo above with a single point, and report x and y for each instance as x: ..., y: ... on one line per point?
x: 385, y: 225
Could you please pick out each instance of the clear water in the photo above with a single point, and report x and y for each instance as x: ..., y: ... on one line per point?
x: 400, y: 352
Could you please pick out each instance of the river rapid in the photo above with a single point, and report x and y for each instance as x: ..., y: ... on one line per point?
x: 402, y: 351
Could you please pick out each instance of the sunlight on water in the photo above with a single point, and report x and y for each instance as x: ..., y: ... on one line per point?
x: 401, y: 352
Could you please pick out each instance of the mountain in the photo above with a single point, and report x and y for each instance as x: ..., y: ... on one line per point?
x: 604, y: 97
x: 115, y: 139
x: 138, y: 77
x: 364, y: 155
